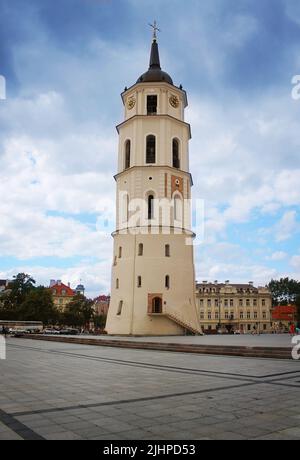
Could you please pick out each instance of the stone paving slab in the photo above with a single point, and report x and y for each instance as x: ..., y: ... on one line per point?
x: 60, y: 391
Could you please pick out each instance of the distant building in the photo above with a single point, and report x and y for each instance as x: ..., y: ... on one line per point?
x: 101, y: 305
x: 284, y: 315
x: 234, y: 307
x: 62, y: 294
x: 3, y: 285
x: 80, y: 289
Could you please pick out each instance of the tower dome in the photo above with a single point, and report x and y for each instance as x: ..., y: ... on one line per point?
x: 154, y: 73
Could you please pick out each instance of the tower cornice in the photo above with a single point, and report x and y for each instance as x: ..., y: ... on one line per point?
x: 145, y: 167
x: 153, y: 117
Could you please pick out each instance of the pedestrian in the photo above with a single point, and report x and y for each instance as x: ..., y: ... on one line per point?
x: 4, y: 331
x: 292, y: 330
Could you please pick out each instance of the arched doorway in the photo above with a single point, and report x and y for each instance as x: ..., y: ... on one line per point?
x: 157, y: 305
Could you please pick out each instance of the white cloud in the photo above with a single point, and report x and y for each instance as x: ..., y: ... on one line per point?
x: 287, y: 226
x: 277, y: 256
x: 295, y: 262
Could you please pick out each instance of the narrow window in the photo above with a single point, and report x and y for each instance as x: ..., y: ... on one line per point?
x: 167, y: 282
x: 120, y: 308
x: 127, y: 154
x: 139, y: 282
x: 167, y: 250
x: 151, y: 150
x: 176, y: 162
x: 151, y: 105
x: 117, y: 283
x: 141, y: 249
x: 150, y: 207
x: 120, y: 252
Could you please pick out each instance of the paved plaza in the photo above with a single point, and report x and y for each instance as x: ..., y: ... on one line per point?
x: 54, y: 390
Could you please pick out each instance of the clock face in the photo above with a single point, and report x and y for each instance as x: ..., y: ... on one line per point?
x: 131, y: 103
x: 174, y: 101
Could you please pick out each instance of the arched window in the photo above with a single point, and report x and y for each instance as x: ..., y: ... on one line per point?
x: 176, y: 160
x: 141, y: 249
x: 150, y: 150
x: 178, y: 208
x: 120, y: 252
x: 150, y: 207
x: 127, y: 154
x: 157, y: 305
x: 139, y: 282
x: 117, y: 283
x: 167, y: 282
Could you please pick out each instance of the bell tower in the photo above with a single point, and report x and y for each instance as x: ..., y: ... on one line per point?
x: 153, y: 277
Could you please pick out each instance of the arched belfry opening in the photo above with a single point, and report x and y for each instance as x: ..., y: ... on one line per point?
x: 175, y: 154
x: 151, y: 149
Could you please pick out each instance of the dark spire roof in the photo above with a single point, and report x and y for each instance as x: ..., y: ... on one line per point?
x: 154, y: 73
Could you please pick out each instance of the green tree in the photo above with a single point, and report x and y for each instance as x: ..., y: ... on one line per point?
x: 16, y: 294
x: 38, y: 306
x: 79, y: 312
x: 284, y: 291
x: 100, y: 321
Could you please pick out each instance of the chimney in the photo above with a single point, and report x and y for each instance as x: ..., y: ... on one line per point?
x: 251, y: 283
x: 69, y: 285
x: 216, y: 281
x: 52, y: 283
x: 227, y: 282
x: 59, y: 282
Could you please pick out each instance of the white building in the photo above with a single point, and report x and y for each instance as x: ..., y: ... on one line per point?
x: 153, y: 279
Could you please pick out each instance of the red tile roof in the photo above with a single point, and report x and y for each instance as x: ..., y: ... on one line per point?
x: 58, y: 288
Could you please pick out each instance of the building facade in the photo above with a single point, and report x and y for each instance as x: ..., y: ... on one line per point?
x: 284, y: 316
x: 3, y: 285
x: 234, y: 307
x: 101, y: 305
x: 62, y: 294
x: 153, y: 287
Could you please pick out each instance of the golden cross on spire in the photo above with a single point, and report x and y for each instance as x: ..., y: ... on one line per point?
x: 155, y: 30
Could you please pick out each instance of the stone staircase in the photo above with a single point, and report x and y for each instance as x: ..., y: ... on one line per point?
x: 188, y: 327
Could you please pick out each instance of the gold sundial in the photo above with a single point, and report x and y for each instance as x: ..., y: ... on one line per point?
x: 131, y: 103
x: 174, y: 101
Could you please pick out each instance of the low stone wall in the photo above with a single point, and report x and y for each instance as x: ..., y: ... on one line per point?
x: 255, y: 352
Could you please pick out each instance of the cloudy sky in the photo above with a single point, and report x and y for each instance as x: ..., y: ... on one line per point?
x: 65, y: 65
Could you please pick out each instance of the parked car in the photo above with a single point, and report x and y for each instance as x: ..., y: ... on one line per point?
x: 69, y: 332
x: 51, y: 332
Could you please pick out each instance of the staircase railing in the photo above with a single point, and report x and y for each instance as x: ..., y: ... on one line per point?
x: 178, y: 318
